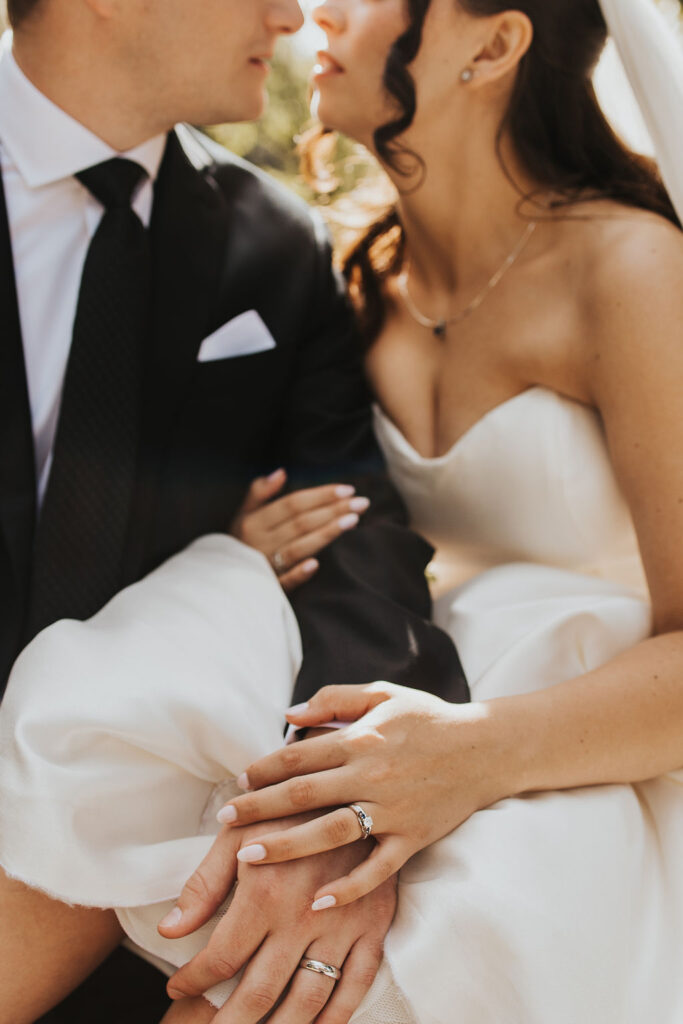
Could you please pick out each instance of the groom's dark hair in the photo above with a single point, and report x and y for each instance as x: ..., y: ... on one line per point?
x: 19, y: 10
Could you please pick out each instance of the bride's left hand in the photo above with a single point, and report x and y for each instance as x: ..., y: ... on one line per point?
x: 418, y: 766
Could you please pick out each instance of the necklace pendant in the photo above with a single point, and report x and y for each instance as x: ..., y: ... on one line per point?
x: 440, y: 329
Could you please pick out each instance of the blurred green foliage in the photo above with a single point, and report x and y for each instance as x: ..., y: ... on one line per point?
x: 271, y: 143
x: 268, y: 142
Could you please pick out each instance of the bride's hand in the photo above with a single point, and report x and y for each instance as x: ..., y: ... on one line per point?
x: 291, y: 529
x: 417, y: 765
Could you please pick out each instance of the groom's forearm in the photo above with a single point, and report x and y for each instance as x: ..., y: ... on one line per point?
x: 366, y: 616
x: 366, y: 613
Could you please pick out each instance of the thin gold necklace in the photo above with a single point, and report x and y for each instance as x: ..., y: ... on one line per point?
x: 440, y: 327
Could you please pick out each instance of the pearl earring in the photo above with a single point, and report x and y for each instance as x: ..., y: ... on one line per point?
x: 467, y: 75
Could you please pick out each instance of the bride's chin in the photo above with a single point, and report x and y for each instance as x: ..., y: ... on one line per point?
x: 324, y: 111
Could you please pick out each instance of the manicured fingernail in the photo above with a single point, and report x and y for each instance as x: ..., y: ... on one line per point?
x: 298, y: 709
x: 311, y: 565
x: 324, y: 903
x: 250, y: 854
x: 359, y: 504
x: 345, y: 491
x: 172, y: 919
x: 348, y: 522
x: 227, y: 815
x: 274, y: 476
x: 243, y: 782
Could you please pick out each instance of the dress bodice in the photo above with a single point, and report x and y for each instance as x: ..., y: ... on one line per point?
x: 530, y: 481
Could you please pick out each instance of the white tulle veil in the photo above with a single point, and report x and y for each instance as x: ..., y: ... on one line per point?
x: 651, y: 54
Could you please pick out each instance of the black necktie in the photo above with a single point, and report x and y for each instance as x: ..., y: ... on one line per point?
x: 83, y: 523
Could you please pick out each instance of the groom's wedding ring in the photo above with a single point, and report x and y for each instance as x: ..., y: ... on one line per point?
x: 364, y: 820
x: 278, y: 562
x: 329, y: 970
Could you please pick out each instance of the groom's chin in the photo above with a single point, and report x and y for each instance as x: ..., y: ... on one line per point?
x: 232, y: 107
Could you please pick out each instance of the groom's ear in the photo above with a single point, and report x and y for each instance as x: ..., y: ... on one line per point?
x: 509, y: 37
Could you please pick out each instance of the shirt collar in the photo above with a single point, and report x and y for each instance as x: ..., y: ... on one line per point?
x: 44, y: 142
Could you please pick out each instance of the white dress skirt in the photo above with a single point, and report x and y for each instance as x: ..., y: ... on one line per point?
x: 121, y: 738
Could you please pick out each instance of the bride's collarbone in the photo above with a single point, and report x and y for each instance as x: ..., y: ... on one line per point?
x: 534, y: 331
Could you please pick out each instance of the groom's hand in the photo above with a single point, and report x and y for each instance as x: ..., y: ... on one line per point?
x: 270, y: 926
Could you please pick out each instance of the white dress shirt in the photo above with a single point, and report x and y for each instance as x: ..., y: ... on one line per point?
x: 52, y: 218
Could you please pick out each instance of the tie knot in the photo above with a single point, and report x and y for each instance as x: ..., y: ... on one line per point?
x: 113, y: 182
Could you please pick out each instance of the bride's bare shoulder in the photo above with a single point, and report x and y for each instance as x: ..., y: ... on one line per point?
x: 611, y: 239
x: 630, y: 295
x: 631, y: 272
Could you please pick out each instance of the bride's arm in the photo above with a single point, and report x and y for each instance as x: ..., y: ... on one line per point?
x: 424, y: 767
x: 623, y: 722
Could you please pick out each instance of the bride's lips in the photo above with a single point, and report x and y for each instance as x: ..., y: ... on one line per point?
x: 326, y: 66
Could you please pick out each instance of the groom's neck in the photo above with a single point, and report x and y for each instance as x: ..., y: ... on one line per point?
x: 84, y: 78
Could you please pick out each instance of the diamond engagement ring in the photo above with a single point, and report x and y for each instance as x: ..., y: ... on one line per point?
x: 364, y: 820
x: 329, y: 970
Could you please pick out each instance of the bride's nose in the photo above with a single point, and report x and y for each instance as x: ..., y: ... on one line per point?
x: 329, y: 16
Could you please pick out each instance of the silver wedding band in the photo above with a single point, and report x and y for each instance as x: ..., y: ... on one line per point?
x: 278, y: 562
x: 329, y: 970
x: 364, y: 820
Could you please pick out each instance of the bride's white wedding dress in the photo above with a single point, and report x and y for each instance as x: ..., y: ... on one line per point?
x: 120, y: 738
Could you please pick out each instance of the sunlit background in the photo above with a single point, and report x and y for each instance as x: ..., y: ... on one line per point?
x: 269, y: 143
x: 615, y: 93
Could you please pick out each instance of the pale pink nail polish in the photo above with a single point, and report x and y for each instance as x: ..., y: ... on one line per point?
x: 345, y: 491
x: 298, y: 709
x: 324, y: 903
x: 359, y: 504
x: 227, y: 815
x: 243, y: 782
x: 274, y: 476
x: 172, y: 919
x: 348, y: 522
x: 251, y: 854
x: 311, y: 565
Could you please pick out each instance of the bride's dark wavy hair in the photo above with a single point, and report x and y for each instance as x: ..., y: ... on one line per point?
x: 554, y: 121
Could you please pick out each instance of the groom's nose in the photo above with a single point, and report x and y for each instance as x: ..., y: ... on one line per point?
x: 285, y: 16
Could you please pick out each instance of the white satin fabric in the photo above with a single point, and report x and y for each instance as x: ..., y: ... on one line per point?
x: 558, y: 907
x: 651, y: 54
x: 121, y: 738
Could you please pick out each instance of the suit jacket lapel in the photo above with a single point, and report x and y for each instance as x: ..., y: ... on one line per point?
x: 17, y: 466
x: 188, y: 233
x: 188, y: 237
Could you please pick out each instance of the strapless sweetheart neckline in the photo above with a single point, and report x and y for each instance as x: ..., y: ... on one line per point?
x: 530, y: 481
x: 496, y: 410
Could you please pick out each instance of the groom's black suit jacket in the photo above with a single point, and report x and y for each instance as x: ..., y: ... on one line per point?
x: 226, y: 239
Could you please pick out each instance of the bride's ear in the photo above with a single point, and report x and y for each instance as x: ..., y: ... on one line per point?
x: 508, y: 40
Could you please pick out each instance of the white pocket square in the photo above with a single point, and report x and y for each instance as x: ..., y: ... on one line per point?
x: 244, y: 336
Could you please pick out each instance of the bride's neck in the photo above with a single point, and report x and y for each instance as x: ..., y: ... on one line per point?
x: 465, y: 216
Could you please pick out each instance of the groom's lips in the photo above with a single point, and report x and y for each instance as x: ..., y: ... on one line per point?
x: 262, y: 62
x: 326, y: 65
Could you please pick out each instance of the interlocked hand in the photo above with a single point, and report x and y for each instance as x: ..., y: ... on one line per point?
x: 270, y: 926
